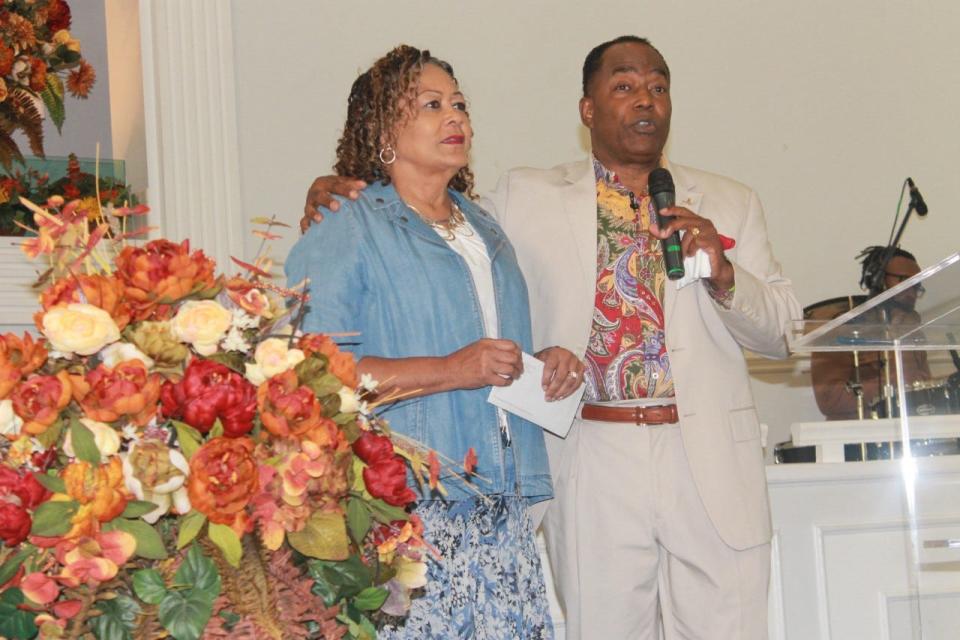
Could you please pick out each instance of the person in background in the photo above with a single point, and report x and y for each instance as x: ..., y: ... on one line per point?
x: 834, y: 373
x: 432, y: 285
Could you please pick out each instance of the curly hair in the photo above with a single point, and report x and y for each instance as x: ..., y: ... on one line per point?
x: 379, y: 104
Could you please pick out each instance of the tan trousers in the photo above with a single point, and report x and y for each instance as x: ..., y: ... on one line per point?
x: 631, y: 545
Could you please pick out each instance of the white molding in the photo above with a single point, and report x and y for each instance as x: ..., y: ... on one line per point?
x: 191, y: 124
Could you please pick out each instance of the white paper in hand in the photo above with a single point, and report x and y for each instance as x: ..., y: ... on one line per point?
x: 525, y: 398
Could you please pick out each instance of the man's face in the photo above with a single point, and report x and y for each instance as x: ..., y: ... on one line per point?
x: 628, y: 107
x: 899, y: 269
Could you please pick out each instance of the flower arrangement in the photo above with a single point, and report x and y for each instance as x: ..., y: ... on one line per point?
x: 17, y: 220
x: 39, y: 62
x: 177, y: 461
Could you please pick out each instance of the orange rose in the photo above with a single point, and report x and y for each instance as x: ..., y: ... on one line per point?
x: 160, y: 273
x: 99, y: 489
x: 223, y: 479
x: 18, y: 358
x: 125, y: 390
x: 105, y: 292
x: 339, y: 363
x: 39, y: 399
x: 286, y: 408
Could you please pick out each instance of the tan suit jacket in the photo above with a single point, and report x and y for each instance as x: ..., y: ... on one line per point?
x: 550, y: 217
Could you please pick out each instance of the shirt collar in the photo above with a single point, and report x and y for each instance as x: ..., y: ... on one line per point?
x: 609, y: 177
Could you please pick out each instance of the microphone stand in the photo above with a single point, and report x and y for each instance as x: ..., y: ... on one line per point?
x: 877, y: 283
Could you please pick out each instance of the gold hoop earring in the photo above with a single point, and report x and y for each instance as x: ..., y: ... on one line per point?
x: 388, y: 150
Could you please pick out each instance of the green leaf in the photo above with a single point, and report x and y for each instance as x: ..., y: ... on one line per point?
x: 9, y: 568
x: 149, y: 543
x: 371, y: 598
x: 323, y: 537
x: 185, y: 614
x: 117, y: 618
x: 325, y: 385
x: 188, y: 437
x: 84, y: 443
x: 190, y: 526
x: 344, y: 418
x: 51, y: 434
x: 216, y: 430
x: 228, y: 541
x: 137, y: 508
x: 51, y: 483
x: 52, y: 518
x: 15, y: 623
x: 149, y: 586
x: 199, y: 571
x: 386, y: 513
x: 52, y: 96
x: 230, y: 359
x: 358, y: 520
x: 347, y: 578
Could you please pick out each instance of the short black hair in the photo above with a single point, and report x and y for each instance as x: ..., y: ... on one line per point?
x: 591, y: 64
x: 871, y: 259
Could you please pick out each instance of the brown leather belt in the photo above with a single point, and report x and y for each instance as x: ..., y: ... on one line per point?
x: 661, y: 414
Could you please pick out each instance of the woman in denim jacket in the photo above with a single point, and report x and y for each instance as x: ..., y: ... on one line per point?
x: 432, y: 286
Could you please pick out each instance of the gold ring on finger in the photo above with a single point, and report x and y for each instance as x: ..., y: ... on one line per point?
x: 695, y: 231
x: 572, y: 374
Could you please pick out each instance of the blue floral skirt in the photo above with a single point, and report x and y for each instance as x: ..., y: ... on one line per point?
x: 488, y: 583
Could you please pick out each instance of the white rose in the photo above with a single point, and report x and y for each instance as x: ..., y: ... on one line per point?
x: 202, y: 323
x: 104, y: 436
x: 10, y: 422
x: 119, y: 352
x: 272, y: 357
x: 79, y: 328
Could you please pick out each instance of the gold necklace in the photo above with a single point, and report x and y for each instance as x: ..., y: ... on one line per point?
x: 447, y: 228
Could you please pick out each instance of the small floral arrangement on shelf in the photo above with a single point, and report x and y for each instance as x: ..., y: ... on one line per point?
x: 39, y: 62
x: 93, y: 192
x: 177, y: 461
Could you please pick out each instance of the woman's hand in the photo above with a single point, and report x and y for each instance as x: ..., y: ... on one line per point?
x: 486, y: 362
x: 321, y: 194
x: 562, y: 372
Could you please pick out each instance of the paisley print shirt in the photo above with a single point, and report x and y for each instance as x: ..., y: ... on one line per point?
x: 627, y: 356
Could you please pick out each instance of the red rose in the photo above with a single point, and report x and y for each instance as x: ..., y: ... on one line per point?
x: 58, y: 15
x: 18, y: 494
x: 15, y: 523
x: 387, y: 479
x: 372, y: 448
x: 208, y: 391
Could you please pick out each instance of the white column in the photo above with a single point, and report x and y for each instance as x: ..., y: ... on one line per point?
x: 191, y: 125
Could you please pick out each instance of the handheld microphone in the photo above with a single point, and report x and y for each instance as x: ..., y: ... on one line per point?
x: 916, y: 199
x: 664, y: 195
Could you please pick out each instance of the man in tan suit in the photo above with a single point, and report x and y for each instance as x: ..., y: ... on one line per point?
x: 651, y: 518
x: 661, y: 511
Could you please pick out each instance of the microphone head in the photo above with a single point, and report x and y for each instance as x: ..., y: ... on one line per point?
x: 660, y: 181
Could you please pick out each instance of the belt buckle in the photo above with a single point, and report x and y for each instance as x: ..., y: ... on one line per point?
x: 639, y: 415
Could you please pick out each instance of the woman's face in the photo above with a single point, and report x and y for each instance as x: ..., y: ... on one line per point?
x: 437, y: 135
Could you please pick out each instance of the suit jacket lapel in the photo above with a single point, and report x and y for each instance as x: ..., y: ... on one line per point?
x: 580, y: 209
x: 688, y: 197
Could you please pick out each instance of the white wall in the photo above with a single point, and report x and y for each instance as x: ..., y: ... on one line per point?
x: 823, y: 107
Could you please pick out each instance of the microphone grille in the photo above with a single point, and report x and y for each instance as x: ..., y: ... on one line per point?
x: 660, y: 181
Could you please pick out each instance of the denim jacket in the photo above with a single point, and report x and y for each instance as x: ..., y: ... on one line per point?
x: 376, y: 268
